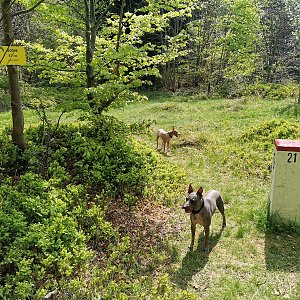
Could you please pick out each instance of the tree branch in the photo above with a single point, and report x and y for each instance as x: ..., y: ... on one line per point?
x: 102, y: 15
x: 25, y: 11
x: 74, y: 8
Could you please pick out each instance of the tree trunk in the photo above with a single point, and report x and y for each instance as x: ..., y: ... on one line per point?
x: 90, y: 32
x: 15, y: 94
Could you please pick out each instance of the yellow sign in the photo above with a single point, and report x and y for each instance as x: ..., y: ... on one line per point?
x: 12, y: 55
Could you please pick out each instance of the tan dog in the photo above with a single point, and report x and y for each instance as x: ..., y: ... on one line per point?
x: 166, y: 137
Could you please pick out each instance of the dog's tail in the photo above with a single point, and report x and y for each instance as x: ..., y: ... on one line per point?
x: 220, y: 205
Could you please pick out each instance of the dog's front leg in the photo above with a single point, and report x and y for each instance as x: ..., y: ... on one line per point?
x: 193, y: 231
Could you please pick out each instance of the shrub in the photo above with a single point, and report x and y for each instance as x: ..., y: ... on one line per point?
x: 41, y: 242
x: 273, y: 91
x: 251, y: 152
x: 8, y: 155
x: 53, y: 221
x: 104, y: 159
x: 263, y: 136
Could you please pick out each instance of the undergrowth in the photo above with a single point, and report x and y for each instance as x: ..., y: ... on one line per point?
x: 250, y: 153
x: 56, y: 237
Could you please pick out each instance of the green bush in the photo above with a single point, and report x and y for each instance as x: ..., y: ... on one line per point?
x: 8, y: 155
x: 41, y: 241
x: 104, y: 159
x: 263, y: 136
x: 251, y: 152
x: 53, y: 217
x: 12, y: 160
x: 44, y: 236
x: 273, y: 91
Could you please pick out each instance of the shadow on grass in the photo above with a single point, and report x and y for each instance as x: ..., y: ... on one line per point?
x: 159, y: 95
x: 195, y: 261
x: 282, y: 252
x: 291, y: 110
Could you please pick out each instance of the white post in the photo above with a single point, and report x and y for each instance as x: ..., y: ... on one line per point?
x: 285, y: 181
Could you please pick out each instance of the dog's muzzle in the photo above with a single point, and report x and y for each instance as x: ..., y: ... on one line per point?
x: 187, y: 207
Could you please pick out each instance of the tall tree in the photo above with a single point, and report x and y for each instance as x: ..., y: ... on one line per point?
x: 277, y: 37
x: 223, y: 37
x: 15, y: 93
x: 110, y: 51
x: 203, y: 31
x: 239, y: 57
x: 92, y: 22
x: 293, y: 61
x: 16, y: 104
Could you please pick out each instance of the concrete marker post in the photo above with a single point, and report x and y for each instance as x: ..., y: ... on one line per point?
x: 285, y: 181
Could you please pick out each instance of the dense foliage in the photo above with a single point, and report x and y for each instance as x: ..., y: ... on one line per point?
x: 55, y: 235
x: 253, y: 149
x: 111, y: 49
x: 215, y: 46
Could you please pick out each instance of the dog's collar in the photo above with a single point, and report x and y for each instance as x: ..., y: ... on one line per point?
x: 170, y: 134
x: 197, y: 211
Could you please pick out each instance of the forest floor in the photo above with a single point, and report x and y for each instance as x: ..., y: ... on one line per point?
x: 226, y: 145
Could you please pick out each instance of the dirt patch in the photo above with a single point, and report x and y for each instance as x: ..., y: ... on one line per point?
x: 147, y: 224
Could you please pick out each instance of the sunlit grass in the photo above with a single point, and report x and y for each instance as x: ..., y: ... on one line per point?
x: 246, y: 261
x: 31, y: 118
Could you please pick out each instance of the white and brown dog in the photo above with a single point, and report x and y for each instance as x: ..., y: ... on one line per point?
x: 166, y: 137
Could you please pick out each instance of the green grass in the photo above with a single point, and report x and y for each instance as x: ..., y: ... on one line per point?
x: 247, y: 261
x: 220, y: 149
x: 31, y: 118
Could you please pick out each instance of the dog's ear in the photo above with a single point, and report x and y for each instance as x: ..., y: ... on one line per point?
x: 190, y: 190
x: 200, y: 191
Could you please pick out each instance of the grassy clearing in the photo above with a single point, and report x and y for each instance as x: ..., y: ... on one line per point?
x: 224, y: 144
x: 220, y: 148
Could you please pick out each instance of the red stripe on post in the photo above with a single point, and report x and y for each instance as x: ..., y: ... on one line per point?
x: 287, y: 145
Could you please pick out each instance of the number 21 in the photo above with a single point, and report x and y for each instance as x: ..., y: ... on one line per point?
x: 292, y: 157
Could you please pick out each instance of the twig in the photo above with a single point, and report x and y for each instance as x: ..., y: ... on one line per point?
x: 25, y: 11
